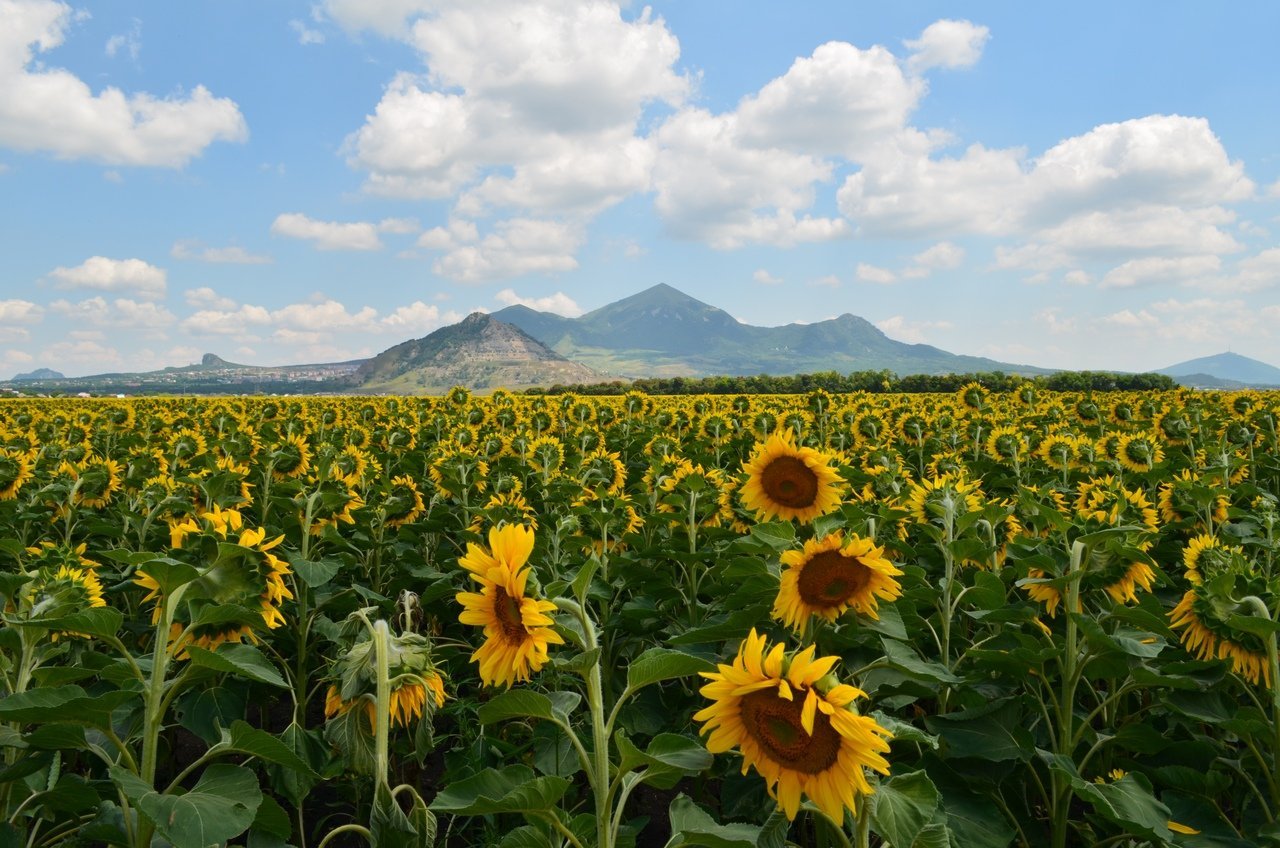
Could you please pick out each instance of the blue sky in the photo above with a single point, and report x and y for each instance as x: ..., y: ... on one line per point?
x: 1086, y: 186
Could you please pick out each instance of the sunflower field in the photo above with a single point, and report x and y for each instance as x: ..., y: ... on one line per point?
x: 975, y: 620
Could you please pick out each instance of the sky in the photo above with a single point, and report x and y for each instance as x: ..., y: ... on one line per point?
x: 1093, y: 185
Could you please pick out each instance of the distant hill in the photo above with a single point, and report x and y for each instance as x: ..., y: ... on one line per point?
x: 480, y: 352
x: 1230, y: 368
x: 38, y: 374
x: 663, y: 332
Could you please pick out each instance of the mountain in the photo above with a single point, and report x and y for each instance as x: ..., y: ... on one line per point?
x: 663, y: 332
x: 1227, y: 367
x: 38, y: 374
x: 480, y: 352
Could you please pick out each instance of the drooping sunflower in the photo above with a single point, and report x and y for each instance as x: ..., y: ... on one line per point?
x: 829, y: 576
x: 789, y: 482
x: 407, y: 701
x: 1209, y: 639
x: 517, y: 628
x: 794, y: 727
x: 927, y: 499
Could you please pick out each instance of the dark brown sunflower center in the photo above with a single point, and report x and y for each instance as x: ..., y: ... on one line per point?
x: 788, y: 481
x: 830, y: 579
x: 774, y: 723
x: 506, y: 609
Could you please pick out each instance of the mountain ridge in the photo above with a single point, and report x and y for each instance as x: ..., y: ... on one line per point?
x: 661, y: 331
x: 1228, y: 367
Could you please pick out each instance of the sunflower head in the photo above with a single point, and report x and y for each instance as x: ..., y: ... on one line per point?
x: 830, y: 576
x: 516, y: 626
x: 794, y: 725
x: 15, y: 472
x: 789, y: 482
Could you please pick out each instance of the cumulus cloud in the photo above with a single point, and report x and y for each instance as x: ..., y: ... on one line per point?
x: 947, y: 44
x: 113, y: 275
x: 121, y: 313
x: 324, y: 315
x: 1129, y: 318
x: 913, y: 332
x: 867, y: 273
x: 764, y: 278
x: 191, y: 249
x: 52, y: 110
x: 327, y: 235
x: 515, y: 247
x: 419, y: 317
x: 559, y: 303
x: 943, y: 256
x: 20, y: 312
x: 223, y: 319
x: 528, y: 105
x: 1161, y: 270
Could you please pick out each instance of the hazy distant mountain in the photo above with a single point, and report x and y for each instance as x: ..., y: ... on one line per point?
x: 38, y: 374
x: 663, y: 332
x: 1227, y: 367
x: 480, y: 352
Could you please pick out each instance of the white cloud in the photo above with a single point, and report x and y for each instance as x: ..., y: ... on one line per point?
x: 130, y: 42
x: 150, y: 319
x: 830, y: 281
x: 230, y: 320
x: 943, y: 256
x: 306, y: 35
x: 399, y: 226
x: 713, y: 188
x: 559, y: 303
x: 839, y: 101
x: 1129, y: 318
x: 529, y: 106
x: 764, y: 278
x: 385, y: 17
x: 1077, y: 277
x: 20, y: 312
x: 1142, y: 184
x: 1161, y: 270
x: 113, y: 275
x: 914, y: 332
x: 419, y: 317
x: 1052, y: 320
x: 947, y: 44
x: 52, y: 110
x: 867, y: 273
x: 1273, y: 190
x: 206, y: 298
x: 327, y: 235
x: 515, y: 247
x: 190, y: 249
x: 325, y: 315
x: 98, y: 357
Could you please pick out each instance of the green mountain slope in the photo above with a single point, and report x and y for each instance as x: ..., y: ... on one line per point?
x: 662, y: 332
x: 479, y: 353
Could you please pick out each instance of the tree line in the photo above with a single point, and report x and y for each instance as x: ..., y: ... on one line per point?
x: 866, y: 381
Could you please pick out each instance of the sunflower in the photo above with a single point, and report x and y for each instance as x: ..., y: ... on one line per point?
x: 403, y: 503
x: 1050, y: 596
x: 1209, y: 639
x: 691, y: 494
x: 1139, y: 452
x: 1180, y: 498
x: 407, y: 701
x: 291, y: 458
x: 972, y: 397
x: 97, y: 481
x: 1007, y: 444
x: 794, y: 727
x: 1058, y: 451
x: 1205, y: 550
x: 252, y: 576
x: 505, y: 508
x: 15, y: 472
x: 787, y: 482
x: 517, y: 628
x: 829, y: 576
x: 927, y: 499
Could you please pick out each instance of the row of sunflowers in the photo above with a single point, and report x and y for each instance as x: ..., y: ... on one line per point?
x: 977, y: 619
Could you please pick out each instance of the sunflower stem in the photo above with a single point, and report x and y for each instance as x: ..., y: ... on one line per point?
x: 1066, y: 703
x: 1273, y: 678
